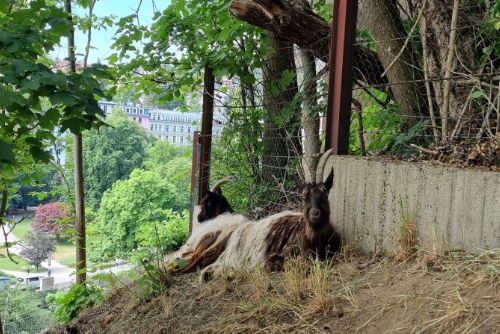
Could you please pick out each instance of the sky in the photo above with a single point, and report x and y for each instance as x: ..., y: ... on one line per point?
x: 103, y: 39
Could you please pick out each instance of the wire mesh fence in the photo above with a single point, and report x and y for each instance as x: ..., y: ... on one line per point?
x: 24, y: 311
x: 426, y: 76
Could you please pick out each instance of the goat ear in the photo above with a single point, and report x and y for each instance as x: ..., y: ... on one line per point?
x: 329, y: 181
x: 299, y: 183
x: 217, y: 191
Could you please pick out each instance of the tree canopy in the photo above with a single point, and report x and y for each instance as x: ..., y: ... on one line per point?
x: 111, y: 154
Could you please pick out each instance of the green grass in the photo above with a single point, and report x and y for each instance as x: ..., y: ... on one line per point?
x: 23, y: 228
x: 65, y: 253
x: 7, y: 264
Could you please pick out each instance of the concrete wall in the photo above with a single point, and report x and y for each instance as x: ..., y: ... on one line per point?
x: 453, y: 208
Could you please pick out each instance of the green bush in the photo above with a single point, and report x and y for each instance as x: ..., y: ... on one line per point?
x: 167, y: 236
x: 130, y: 204
x: 76, y: 299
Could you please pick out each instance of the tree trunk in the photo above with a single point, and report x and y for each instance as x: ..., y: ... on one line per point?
x: 310, y: 116
x: 435, y: 25
x: 296, y: 22
x: 78, y: 156
x: 280, y: 137
x: 382, y: 19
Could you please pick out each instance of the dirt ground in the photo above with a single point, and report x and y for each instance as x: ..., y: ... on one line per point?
x: 424, y: 294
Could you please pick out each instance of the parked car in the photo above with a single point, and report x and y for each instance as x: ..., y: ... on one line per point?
x: 32, y: 282
x: 6, y: 281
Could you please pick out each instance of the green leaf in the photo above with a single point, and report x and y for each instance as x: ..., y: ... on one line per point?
x: 6, y: 152
x: 477, y: 94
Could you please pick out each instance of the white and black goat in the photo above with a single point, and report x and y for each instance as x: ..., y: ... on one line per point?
x: 214, y: 224
x: 271, y: 240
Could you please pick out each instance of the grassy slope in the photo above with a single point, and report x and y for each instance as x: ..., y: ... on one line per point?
x: 65, y: 253
x: 427, y: 294
x: 23, y: 228
x: 7, y: 264
x: 65, y: 250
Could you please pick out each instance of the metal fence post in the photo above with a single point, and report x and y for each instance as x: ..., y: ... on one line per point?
x: 206, y: 131
x: 340, y: 83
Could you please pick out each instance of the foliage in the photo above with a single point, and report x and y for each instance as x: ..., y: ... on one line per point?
x: 51, y: 218
x: 35, y: 99
x: 140, y: 200
x: 204, y: 33
x: 37, y: 190
x: 381, y: 122
x: 38, y: 247
x: 168, y: 236
x: 24, y: 311
x: 110, y: 154
x: 173, y: 163
x: 162, y: 152
x: 78, y: 298
x: 156, y: 240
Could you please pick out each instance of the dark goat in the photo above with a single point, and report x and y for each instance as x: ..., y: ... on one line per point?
x: 270, y: 241
x: 214, y: 203
x: 309, y: 234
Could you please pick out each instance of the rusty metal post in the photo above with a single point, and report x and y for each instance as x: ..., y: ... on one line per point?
x: 340, y: 84
x: 194, y: 173
x: 206, y: 131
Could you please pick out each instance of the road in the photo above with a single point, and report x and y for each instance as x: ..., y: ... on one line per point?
x: 61, y: 273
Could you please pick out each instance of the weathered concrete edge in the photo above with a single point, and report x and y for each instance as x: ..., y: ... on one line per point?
x: 453, y: 208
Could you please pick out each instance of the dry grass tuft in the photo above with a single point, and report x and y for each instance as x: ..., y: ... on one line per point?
x: 167, y: 305
x: 407, y: 233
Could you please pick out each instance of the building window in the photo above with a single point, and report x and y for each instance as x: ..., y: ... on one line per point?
x: 167, y: 128
x: 128, y: 110
x: 166, y: 137
x: 189, y: 129
x: 177, y: 119
x: 134, y: 111
x: 140, y: 120
x: 182, y: 139
x: 173, y: 139
x: 151, y: 127
x: 133, y: 118
x: 174, y: 128
x: 182, y: 129
x: 190, y: 119
x: 141, y: 111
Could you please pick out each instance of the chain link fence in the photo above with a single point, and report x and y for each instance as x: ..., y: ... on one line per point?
x: 24, y: 311
x: 441, y: 63
x: 426, y: 85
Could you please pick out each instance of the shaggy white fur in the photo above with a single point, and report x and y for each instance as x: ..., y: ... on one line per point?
x: 226, y: 223
x: 246, y: 246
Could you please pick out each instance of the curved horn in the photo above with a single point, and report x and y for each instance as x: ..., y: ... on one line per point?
x: 321, y: 165
x: 307, y: 172
x: 221, y: 182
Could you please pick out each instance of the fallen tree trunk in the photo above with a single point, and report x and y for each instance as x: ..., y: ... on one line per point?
x: 296, y: 22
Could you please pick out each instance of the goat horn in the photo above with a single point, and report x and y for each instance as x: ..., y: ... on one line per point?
x: 221, y: 182
x: 307, y: 172
x: 322, y: 164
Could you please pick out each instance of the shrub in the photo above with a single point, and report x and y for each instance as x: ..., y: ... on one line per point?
x: 70, y: 303
x: 167, y: 236
x: 140, y: 200
x: 51, y: 218
x: 38, y: 247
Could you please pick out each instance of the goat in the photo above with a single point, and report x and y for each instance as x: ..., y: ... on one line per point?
x: 215, y: 223
x: 273, y: 239
x: 214, y: 203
